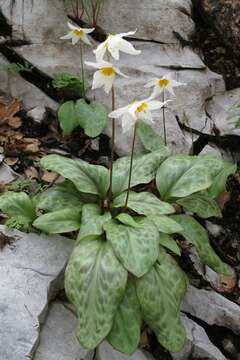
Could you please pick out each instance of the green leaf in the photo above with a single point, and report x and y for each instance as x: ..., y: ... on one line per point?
x: 60, y: 221
x: 160, y: 293
x: 150, y: 140
x: 91, y: 117
x: 60, y: 196
x: 92, y: 221
x: 219, y: 182
x: 125, y: 333
x: 165, y: 224
x: 169, y: 243
x: 95, y: 283
x: 69, y: 82
x: 201, y: 204
x: 144, y: 203
x: 136, y: 248
x: 195, y: 234
x: 128, y: 220
x: 18, y: 206
x: 144, y: 170
x: 67, y: 117
x: 92, y: 179
x: 183, y: 175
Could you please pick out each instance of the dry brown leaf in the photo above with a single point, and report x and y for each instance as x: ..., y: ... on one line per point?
x: 223, y: 199
x: 30, y: 145
x: 49, y: 176
x: 15, y: 122
x: 11, y: 161
x: 8, y: 109
x: 31, y: 173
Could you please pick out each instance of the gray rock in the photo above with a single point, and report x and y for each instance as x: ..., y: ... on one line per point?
x: 38, y: 114
x: 106, y: 352
x: 57, y: 337
x: 31, y: 274
x: 212, y: 308
x: 198, y: 345
x: 7, y: 174
x: 154, y: 19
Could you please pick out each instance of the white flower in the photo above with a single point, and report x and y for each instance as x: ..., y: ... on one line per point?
x: 77, y: 33
x: 135, y: 111
x: 114, y: 44
x: 105, y: 75
x: 166, y: 83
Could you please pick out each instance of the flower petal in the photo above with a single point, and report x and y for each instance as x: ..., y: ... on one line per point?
x: 127, y: 34
x: 108, y: 83
x: 85, y: 39
x: 88, y: 31
x: 98, y: 80
x: 119, y: 112
x: 72, y: 27
x: 128, y: 122
x: 68, y: 36
x: 100, y: 51
x: 155, y: 104
x: 128, y: 48
x: 75, y: 39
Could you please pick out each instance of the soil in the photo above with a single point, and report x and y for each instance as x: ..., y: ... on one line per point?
x: 216, y: 54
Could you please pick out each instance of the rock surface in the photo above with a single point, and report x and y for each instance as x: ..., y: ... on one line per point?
x: 198, y: 345
x: 57, y: 337
x: 31, y: 274
x: 212, y: 308
x: 106, y: 352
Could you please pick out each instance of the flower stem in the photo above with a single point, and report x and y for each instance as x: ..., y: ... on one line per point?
x: 131, y: 166
x: 112, y: 148
x: 164, y: 121
x: 82, y: 71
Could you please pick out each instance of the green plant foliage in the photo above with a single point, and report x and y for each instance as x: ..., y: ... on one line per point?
x: 169, y: 243
x: 92, y: 221
x: 150, y: 140
x: 91, y: 117
x: 183, y: 175
x: 60, y: 221
x: 20, y: 208
x: 165, y: 224
x: 92, y: 179
x: 60, y: 196
x: 95, y: 282
x: 144, y: 203
x: 160, y: 293
x: 195, y: 234
x: 219, y: 181
x: 136, y: 248
x: 128, y: 220
x: 67, y: 117
x: 125, y: 333
x: 201, y: 204
x: 14, y: 68
x: 144, y: 170
x: 63, y: 80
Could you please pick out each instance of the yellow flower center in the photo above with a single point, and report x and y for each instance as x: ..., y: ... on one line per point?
x: 108, y: 71
x: 142, y: 107
x: 78, y: 33
x: 163, y: 82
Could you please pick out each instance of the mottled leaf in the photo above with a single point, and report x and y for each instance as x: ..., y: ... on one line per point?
x: 125, y: 333
x: 92, y: 221
x: 95, y: 283
x: 160, y: 293
x: 219, y: 181
x: 60, y: 196
x: 18, y: 205
x: 92, y: 179
x: 60, y: 221
x: 183, y: 175
x: 91, y: 117
x: 136, y: 248
x: 144, y: 203
x: 150, y: 140
x: 195, y: 234
x: 201, y: 204
x: 168, y: 242
x: 128, y: 220
x: 144, y: 169
x: 165, y: 224
x: 67, y: 117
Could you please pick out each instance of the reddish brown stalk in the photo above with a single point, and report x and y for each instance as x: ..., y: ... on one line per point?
x: 131, y: 166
